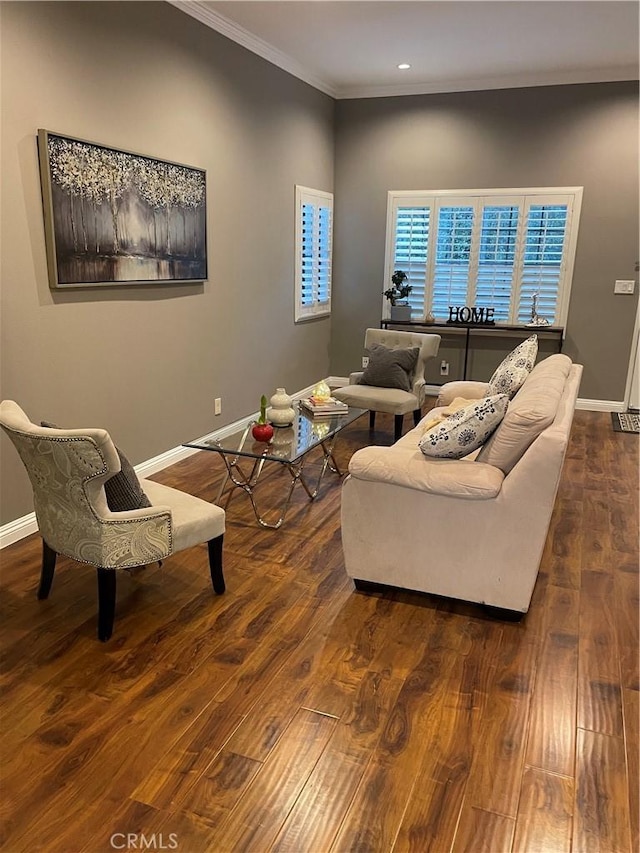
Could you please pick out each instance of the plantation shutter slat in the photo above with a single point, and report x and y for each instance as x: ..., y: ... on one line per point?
x: 323, y: 290
x: 544, y: 241
x: 307, y: 254
x: 453, y: 258
x: 410, y: 252
x: 498, y: 239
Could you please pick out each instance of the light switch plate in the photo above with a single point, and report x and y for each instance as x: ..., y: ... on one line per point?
x: 624, y: 286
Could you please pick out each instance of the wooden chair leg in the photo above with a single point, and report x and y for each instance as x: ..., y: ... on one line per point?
x: 397, y: 432
x: 372, y: 419
x: 215, y: 564
x: 48, y: 568
x: 417, y: 414
x: 106, y: 602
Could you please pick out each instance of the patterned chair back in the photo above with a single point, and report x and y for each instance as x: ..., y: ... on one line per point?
x: 68, y: 469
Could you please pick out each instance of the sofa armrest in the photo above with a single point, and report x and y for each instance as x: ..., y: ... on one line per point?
x: 354, y: 378
x: 404, y: 466
x: 467, y: 389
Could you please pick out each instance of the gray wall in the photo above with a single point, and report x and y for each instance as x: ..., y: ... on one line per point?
x: 147, y: 362
x: 584, y: 135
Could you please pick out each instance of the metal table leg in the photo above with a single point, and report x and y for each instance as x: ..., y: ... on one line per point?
x: 248, y: 481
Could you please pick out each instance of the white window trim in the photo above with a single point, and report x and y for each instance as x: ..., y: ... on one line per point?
x: 319, y: 198
x: 421, y: 198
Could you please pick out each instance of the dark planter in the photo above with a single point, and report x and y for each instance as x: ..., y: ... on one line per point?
x: 400, y: 312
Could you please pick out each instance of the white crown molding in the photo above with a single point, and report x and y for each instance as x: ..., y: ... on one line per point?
x: 201, y: 12
x: 476, y: 84
x: 235, y: 32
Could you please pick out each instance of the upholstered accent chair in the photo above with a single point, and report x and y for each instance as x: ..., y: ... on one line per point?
x: 396, y: 401
x: 68, y: 469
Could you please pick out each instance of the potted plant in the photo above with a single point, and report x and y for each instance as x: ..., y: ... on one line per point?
x: 261, y: 430
x: 397, y: 295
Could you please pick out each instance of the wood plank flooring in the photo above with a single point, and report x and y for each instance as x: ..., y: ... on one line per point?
x: 293, y: 714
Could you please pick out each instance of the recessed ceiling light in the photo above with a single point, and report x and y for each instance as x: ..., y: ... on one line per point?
x: 404, y: 66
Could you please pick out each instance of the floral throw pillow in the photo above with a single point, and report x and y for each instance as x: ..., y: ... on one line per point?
x: 511, y: 373
x: 465, y: 430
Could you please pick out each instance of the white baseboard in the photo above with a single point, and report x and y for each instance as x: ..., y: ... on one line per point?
x: 581, y: 403
x: 601, y: 405
x: 15, y: 530
x: 18, y: 529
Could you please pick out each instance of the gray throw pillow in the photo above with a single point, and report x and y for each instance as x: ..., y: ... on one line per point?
x: 390, y: 368
x: 123, y: 490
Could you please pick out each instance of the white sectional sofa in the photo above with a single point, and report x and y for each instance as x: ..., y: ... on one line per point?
x: 474, y: 528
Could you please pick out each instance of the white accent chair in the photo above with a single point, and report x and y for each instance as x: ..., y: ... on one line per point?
x: 393, y: 401
x: 68, y: 469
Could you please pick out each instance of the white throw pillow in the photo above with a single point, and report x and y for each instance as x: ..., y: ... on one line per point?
x: 511, y: 373
x: 465, y: 430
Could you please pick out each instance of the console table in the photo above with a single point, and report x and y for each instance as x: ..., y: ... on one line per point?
x: 553, y: 332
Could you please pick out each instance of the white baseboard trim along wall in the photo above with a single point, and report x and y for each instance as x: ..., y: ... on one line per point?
x: 15, y: 530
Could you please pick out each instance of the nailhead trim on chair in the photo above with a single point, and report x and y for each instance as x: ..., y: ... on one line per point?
x: 133, y: 564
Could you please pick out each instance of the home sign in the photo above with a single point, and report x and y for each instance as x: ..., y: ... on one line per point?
x: 466, y: 315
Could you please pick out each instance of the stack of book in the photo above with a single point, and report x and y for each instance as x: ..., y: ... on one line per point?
x: 323, y: 407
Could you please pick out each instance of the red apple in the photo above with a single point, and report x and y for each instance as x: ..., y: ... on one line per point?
x: 262, y: 432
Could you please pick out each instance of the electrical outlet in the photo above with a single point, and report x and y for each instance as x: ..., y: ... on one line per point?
x: 365, y: 361
x: 444, y: 368
x: 217, y: 406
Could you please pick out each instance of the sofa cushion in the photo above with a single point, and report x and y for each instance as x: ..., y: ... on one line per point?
x: 390, y: 368
x: 465, y: 430
x: 404, y: 466
x: 531, y: 411
x: 513, y: 370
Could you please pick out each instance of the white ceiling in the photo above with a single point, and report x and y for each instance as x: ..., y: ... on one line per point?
x: 351, y: 48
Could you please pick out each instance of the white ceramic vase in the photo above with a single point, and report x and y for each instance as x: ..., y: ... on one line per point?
x: 281, y: 413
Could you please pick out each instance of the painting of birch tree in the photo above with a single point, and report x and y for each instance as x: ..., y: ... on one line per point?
x: 114, y: 218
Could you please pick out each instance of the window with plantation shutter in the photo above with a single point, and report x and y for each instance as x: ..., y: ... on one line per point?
x: 485, y: 248
x: 313, y: 248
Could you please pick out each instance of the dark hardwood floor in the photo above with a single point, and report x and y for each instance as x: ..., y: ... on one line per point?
x: 295, y: 714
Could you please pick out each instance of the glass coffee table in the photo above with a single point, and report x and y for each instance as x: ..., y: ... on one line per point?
x: 244, y: 457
